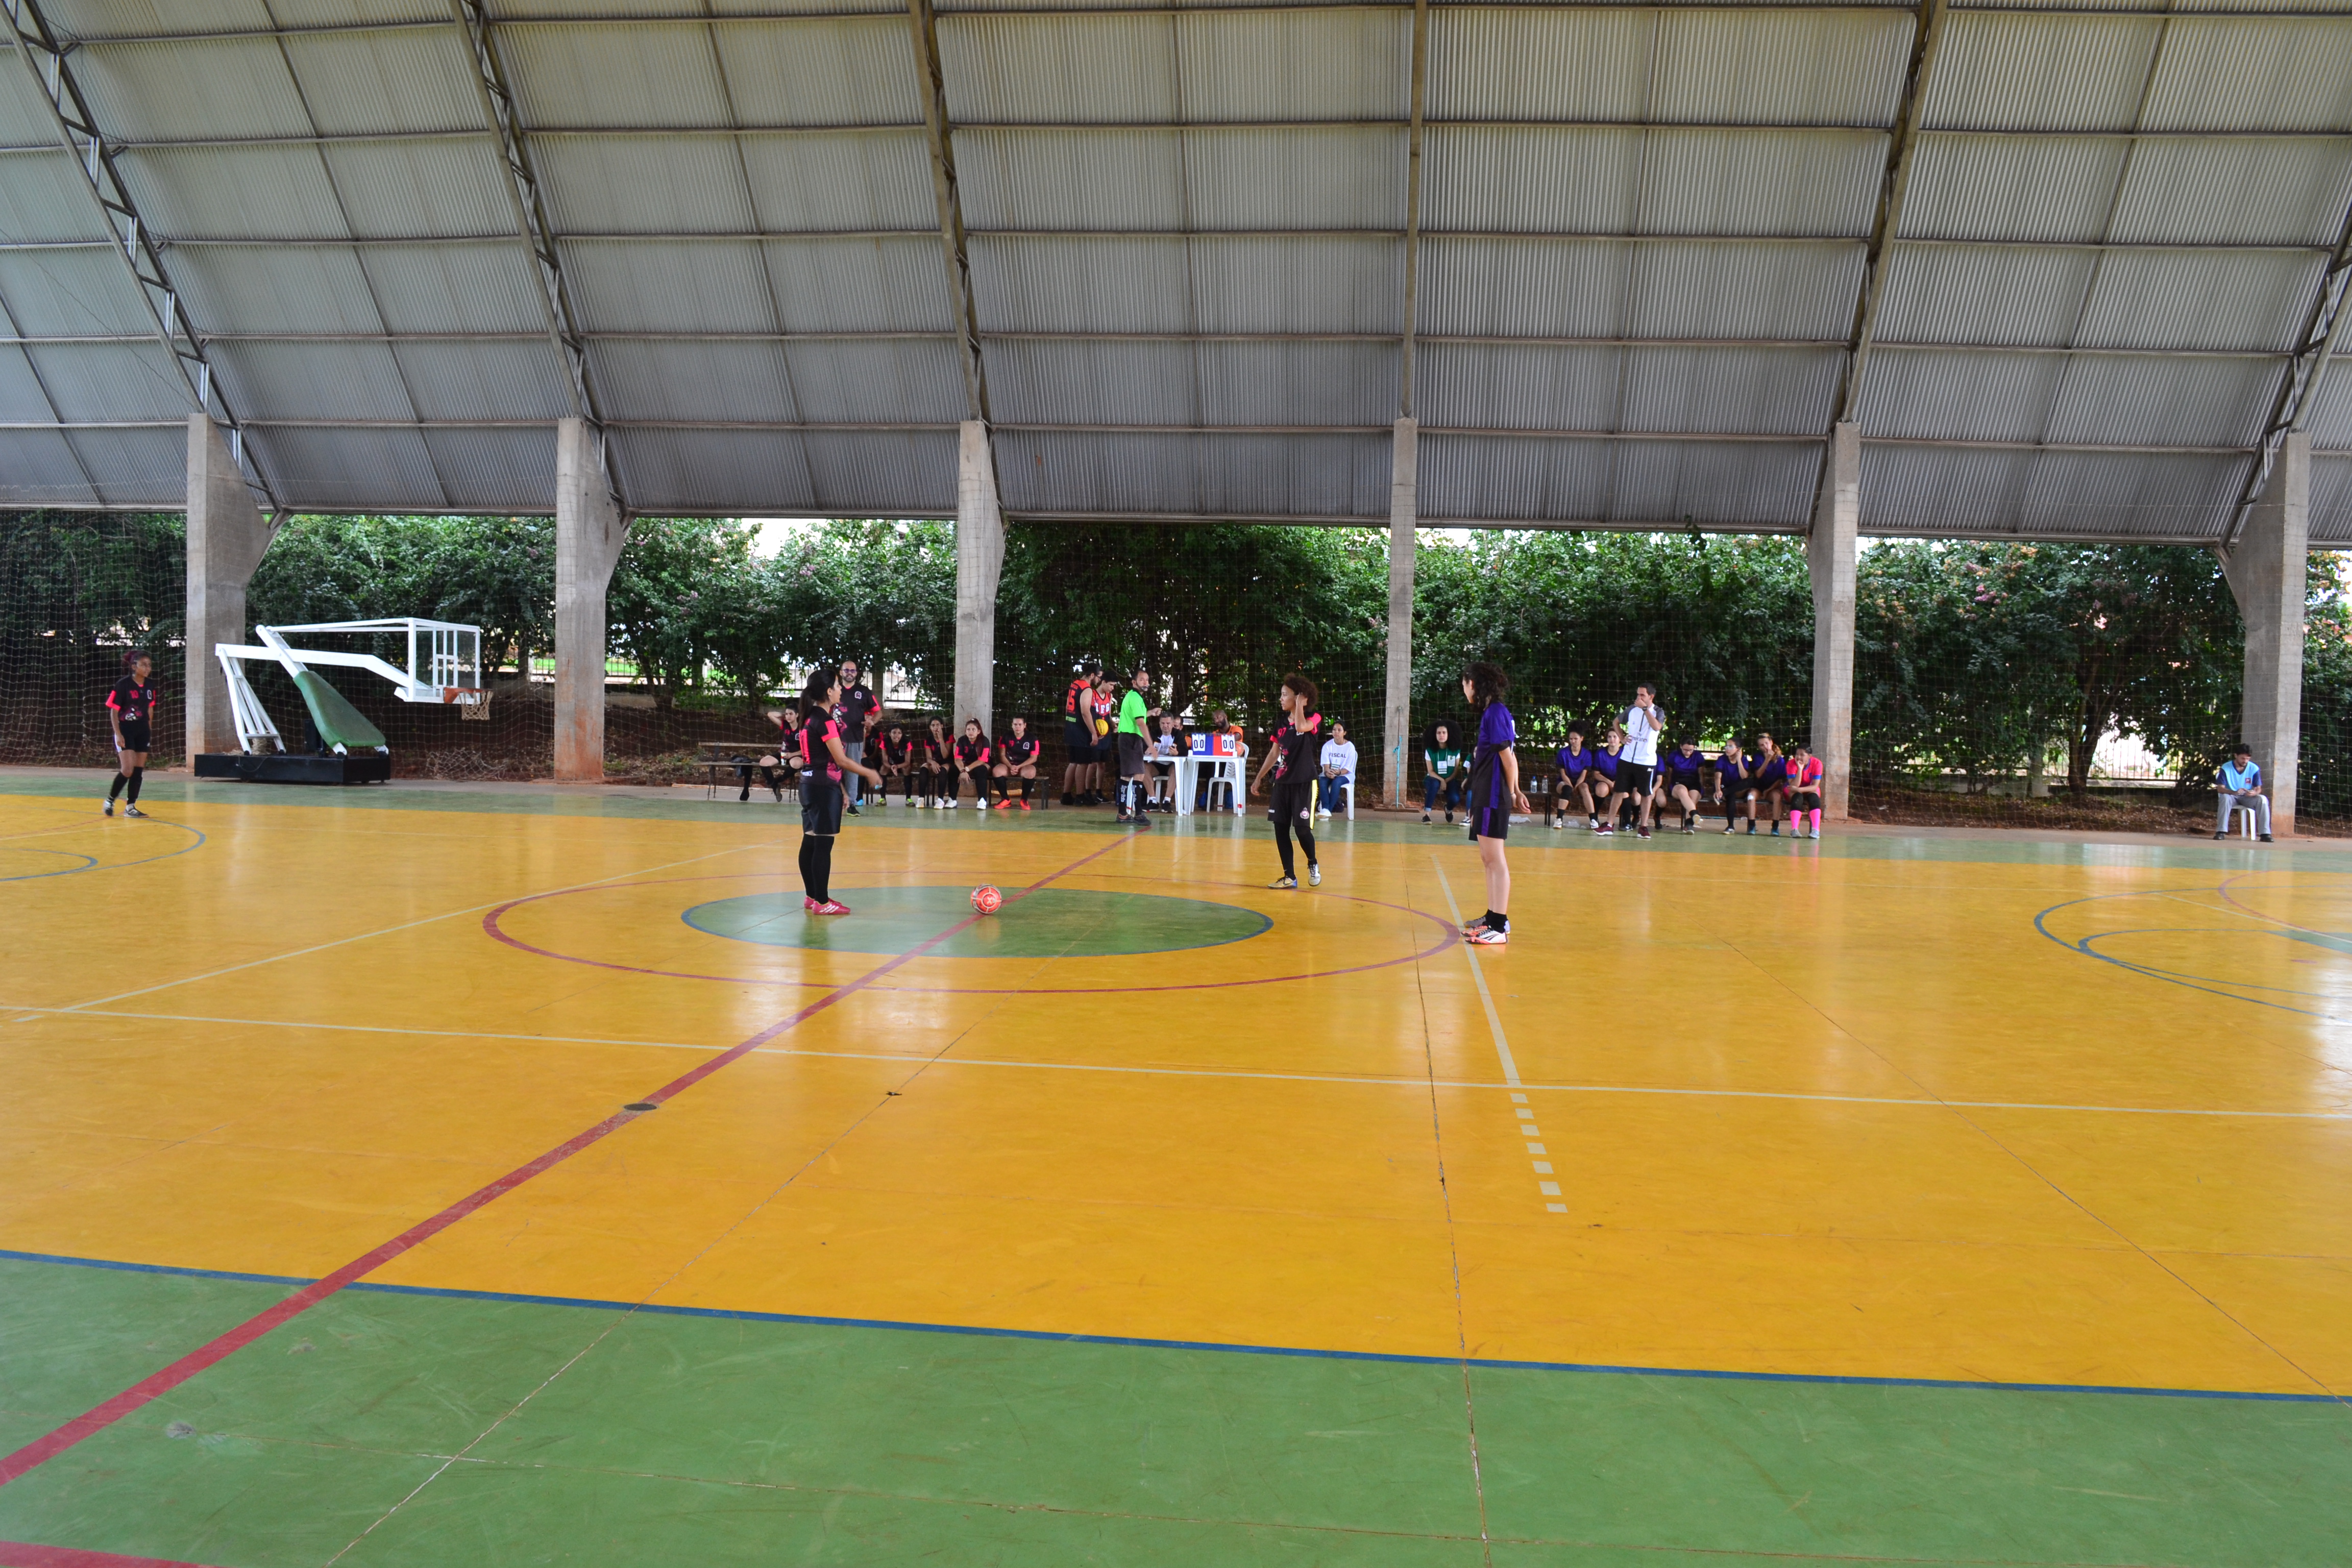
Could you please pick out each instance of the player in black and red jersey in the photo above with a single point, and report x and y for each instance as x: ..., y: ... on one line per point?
x: 894, y: 759
x: 824, y: 764
x: 934, y: 757
x: 973, y: 758
x: 1016, y: 758
x: 131, y: 708
x: 1078, y: 732
x: 1292, y: 759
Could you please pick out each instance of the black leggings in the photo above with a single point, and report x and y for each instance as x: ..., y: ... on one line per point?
x: 816, y: 866
x: 1290, y: 816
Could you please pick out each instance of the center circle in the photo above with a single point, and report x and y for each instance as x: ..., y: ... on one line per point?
x: 1053, y: 922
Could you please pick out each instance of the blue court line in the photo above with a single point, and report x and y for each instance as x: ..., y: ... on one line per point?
x: 92, y: 864
x: 2087, y: 951
x: 1122, y: 1342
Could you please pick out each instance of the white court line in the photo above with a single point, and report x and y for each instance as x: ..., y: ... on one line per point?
x: 389, y: 931
x: 1494, y: 1020
x: 1364, y: 1081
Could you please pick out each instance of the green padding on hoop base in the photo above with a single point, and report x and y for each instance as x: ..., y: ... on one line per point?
x: 339, y: 723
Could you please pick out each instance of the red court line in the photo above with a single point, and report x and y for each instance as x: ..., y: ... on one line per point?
x: 156, y: 1385
x: 24, y: 1554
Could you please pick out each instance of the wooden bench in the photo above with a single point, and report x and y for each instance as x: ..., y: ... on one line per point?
x: 738, y: 758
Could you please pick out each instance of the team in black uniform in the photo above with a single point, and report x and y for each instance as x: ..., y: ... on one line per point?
x: 1292, y: 759
x: 131, y: 708
x: 1016, y: 758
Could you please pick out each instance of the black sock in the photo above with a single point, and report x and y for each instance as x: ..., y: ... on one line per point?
x: 808, y: 866
x: 816, y: 867
x: 1307, y: 839
x: 1497, y: 923
x: 138, y: 777
x: 115, y: 787
x: 1027, y: 785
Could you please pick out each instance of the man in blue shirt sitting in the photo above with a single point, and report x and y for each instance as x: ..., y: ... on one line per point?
x: 2241, y: 786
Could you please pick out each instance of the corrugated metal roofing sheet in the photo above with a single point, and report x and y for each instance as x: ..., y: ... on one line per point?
x: 2020, y: 70
x: 2113, y: 399
x: 2244, y: 190
x: 2331, y: 501
x: 1540, y: 388
x: 1183, y: 381
x: 310, y: 381
x: 37, y: 468
x: 1744, y: 485
x: 2198, y: 300
x: 2006, y: 294
x: 845, y: 180
x: 65, y: 293
x: 1603, y: 287
x: 515, y: 379
x: 1743, y: 146
x: 2331, y: 412
x: 1147, y: 179
x: 136, y: 467
x: 1617, y: 180
x: 1305, y: 477
x: 2286, y: 73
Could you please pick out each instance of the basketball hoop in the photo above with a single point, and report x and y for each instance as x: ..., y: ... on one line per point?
x: 472, y: 702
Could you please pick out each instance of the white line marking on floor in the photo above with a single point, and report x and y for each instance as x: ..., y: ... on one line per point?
x: 1495, y: 1025
x: 1359, y: 1080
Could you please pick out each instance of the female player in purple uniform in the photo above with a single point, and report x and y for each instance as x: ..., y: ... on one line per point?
x: 1494, y: 794
x: 131, y: 710
x: 1292, y: 759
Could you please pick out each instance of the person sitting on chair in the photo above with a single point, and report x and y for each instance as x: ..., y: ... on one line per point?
x: 2240, y: 785
x: 1338, y: 767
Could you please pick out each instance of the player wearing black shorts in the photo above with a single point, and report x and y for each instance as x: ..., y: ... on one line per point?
x: 824, y: 764
x: 1292, y: 761
x: 1077, y: 733
x: 895, y: 753
x: 129, y: 709
x: 1016, y: 758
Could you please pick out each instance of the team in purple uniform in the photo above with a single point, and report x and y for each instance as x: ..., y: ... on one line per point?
x: 1494, y: 795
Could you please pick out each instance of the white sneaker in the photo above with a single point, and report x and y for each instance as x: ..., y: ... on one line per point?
x: 954, y: 805
x: 1816, y: 833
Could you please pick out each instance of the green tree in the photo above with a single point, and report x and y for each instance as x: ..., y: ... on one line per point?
x: 495, y: 573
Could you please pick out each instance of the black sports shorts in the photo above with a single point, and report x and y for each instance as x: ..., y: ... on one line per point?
x: 820, y: 802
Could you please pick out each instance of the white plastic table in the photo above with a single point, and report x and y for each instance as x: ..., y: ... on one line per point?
x: 1188, y: 778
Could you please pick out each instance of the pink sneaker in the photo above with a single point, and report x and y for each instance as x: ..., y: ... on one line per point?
x: 830, y: 907
x: 808, y: 904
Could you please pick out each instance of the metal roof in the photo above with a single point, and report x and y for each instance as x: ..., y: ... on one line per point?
x: 2074, y: 267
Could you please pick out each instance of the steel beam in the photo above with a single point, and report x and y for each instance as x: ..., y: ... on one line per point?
x: 532, y: 226
x: 924, y: 26
x: 44, y: 55
x: 1926, y: 40
x: 1420, y: 94
x: 2298, y: 391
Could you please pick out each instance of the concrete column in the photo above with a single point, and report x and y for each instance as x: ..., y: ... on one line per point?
x: 227, y: 536
x: 980, y: 563
x: 1829, y: 548
x: 588, y: 533
x: 1405, y: 471
x: 2266, y: 573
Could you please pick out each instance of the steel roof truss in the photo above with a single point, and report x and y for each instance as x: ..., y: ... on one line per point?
x: 44, y: 56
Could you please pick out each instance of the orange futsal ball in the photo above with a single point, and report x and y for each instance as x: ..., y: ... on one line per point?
x: 987, y: 901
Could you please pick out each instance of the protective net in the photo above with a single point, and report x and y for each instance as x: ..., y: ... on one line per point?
x: 2008, y: 683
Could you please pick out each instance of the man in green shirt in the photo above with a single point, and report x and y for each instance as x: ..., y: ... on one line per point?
x: 1132, y: 709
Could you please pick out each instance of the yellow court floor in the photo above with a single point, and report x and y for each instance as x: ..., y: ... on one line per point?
x: 1881, y: 1114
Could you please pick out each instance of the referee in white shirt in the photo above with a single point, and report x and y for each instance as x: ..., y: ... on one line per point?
x: 1642, y: 724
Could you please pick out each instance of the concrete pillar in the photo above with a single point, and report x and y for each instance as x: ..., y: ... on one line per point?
x: 227, y: 536
x: 1829, y: 550
x: 588, y: 533
x: 980, y: 563
x: 2266, y: 573
x: 1405, y: 470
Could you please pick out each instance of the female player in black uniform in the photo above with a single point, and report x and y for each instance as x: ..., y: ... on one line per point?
x: 1016, y: 758
x: 131, y: 708
x: 971, y: 761
x: 1293, y: 759
x: 822, y: 766
x: 933, y: 756
x: 895, y: 754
